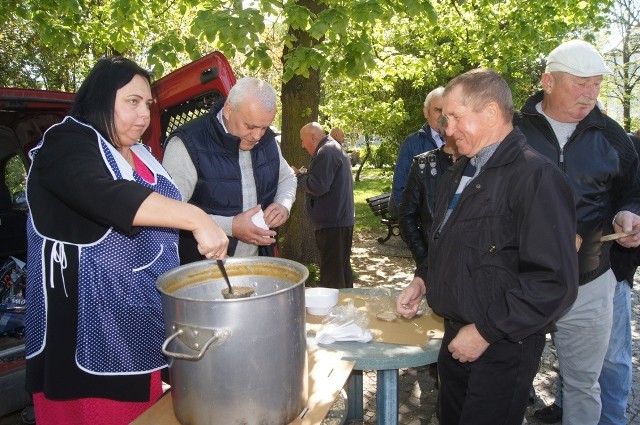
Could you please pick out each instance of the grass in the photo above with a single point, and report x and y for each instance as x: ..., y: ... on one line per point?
x: 373, y: 181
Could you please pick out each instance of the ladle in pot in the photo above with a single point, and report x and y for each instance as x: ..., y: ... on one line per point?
x: 228, y: 293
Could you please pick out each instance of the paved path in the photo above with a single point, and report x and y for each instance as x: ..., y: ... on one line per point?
x: 390, y: 265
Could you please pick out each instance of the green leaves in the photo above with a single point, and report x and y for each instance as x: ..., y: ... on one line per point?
x: 231, y: 30
x: 391, y: 43
x: 301, y: 60
x: 335, y: 20
x: 366, y: 12
x: 296, y: 17
x: 421, y: 8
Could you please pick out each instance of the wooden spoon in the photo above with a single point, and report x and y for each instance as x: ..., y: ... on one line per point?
x: 616, y: 236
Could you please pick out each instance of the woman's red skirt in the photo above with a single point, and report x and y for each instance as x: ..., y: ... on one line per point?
x: 93, y: 411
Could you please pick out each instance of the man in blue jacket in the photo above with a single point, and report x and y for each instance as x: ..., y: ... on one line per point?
x: 426, y: 139
x: 616, y: 375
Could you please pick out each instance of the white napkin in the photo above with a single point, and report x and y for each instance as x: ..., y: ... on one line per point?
x: 258, y: 220
x: 348, y: 331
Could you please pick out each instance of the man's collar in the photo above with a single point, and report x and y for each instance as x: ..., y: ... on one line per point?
x: 220, y: 118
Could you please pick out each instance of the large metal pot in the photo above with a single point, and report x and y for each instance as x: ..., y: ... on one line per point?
x: 240, y: 361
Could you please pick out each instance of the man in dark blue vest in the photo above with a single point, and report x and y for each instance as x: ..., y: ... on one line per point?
x: 228, y: 163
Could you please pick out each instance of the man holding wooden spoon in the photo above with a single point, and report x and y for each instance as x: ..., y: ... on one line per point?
x: 563, y: 123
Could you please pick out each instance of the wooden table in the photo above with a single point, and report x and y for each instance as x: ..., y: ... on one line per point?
x: 330, y: 366
x: 327, y: 376
x: 385, y: 359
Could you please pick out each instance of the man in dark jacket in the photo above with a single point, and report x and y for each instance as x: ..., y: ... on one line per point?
x: 563, y: 123
x: 228, y: 163
x: 502, y: 264
x: 616, y: 375
x: 418, y: 198
x: 423, y: 140
x: 328, y: 188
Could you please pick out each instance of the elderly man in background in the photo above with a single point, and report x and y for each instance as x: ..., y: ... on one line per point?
x: 228, y: 163
x: 418, y: 198
x: 426, y: 139
x: 328, y: 188
x: 337, y: 134
x: 563, y: 123
x: 502, y: 264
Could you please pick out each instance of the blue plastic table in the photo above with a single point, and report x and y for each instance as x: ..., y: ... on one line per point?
x: 385, y: 359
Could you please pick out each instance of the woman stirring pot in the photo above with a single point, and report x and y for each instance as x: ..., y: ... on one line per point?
x: 103, y: 220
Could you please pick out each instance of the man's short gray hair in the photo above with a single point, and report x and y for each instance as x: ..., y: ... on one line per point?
x: 482, y: 86
x: 437, y: 92
x: 249, y: 87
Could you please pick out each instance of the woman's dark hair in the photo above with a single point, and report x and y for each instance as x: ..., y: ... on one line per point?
x: 95, y: 100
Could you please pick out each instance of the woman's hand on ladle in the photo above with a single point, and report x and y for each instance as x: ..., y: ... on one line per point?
x: 212, y: 241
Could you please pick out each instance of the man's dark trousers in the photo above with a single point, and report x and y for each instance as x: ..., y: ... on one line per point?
x: 334, y: 244
x: 494, y: 389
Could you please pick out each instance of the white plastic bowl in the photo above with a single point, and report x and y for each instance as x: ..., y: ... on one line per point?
x: 320, y: 300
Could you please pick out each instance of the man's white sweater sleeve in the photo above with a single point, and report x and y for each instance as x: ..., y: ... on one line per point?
x: 287, y: 184
x: 178, y: 163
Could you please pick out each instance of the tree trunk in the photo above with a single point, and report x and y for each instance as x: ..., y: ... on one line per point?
x: 300, y: 101
x: 367, y: 154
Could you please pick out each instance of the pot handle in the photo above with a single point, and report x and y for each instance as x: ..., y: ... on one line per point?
x: 198, y: 339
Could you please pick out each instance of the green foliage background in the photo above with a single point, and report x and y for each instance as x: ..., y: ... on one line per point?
x: 364, y: 65
x: 377, y: 59
x: 15, y: 176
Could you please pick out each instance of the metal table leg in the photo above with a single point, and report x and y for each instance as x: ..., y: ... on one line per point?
x: 355, y: 402
x: 387, y: 397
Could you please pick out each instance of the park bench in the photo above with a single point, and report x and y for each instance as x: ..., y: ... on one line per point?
x: 380, y: 207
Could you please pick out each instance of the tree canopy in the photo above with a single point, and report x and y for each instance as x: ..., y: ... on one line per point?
x: 376, y: 59
x: 412, y: 57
